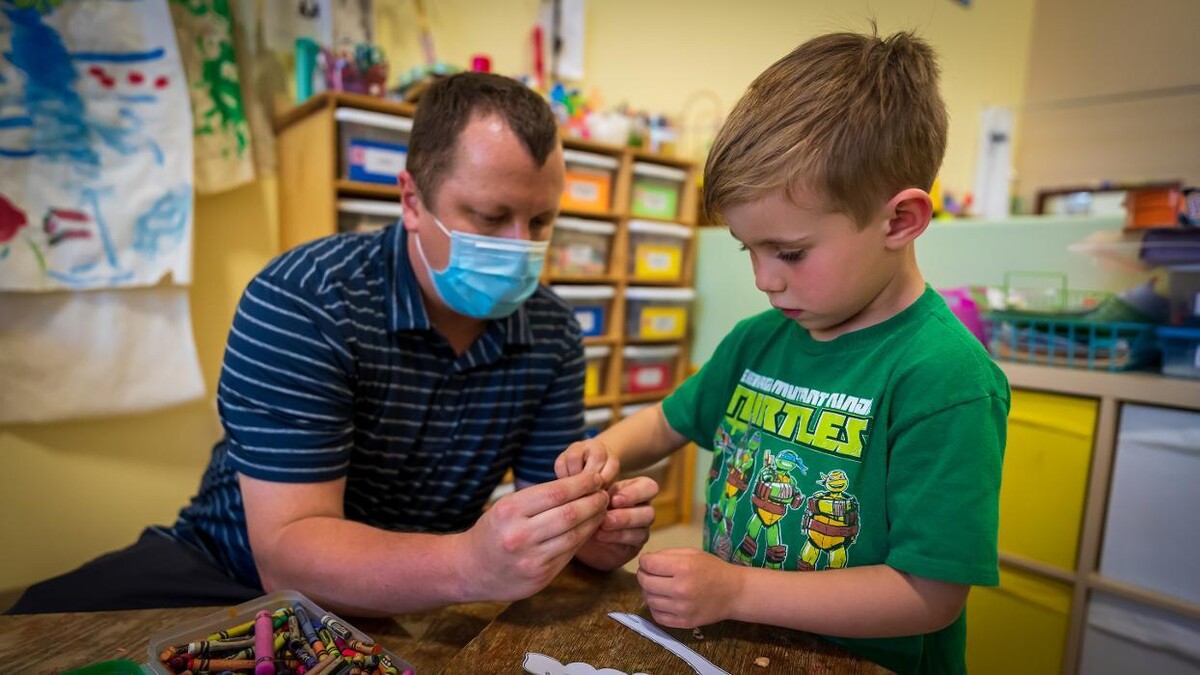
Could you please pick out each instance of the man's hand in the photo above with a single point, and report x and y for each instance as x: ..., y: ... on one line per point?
x: 589, y: 455
x: 626, y: 526
x: 518, y: 546
x: 686, y: 587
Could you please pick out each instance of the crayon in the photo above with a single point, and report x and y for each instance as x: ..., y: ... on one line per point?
x: 223, y: 664
x: 336, y: 626
x: 327, y: 666
x: 264, y: 653
x: 297, y: 644
x: 364, y: 647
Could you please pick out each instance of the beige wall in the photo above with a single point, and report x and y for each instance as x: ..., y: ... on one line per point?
x: 1113, y: 94
x: 74, y: 490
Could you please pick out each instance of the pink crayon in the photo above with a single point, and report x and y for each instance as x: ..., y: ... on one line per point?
x: 264, y: 644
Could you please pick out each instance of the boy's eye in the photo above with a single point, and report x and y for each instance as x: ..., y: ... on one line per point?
x: 791, y: 256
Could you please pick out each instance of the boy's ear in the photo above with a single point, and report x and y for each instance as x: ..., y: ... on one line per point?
x: 908, y: 214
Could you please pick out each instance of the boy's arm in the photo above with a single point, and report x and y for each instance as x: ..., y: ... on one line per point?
x: 686, y: 588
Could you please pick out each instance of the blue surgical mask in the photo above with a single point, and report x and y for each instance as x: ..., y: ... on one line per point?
x: 487, y: 277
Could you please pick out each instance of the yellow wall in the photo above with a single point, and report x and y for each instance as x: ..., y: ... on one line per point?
x: 660, y: 54
x: 71, y: 491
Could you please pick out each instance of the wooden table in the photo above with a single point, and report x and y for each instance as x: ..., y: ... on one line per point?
x: 567, y: 621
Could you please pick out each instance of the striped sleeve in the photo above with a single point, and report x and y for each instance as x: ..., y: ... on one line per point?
x: 285, y: 396
x: 559, y: 421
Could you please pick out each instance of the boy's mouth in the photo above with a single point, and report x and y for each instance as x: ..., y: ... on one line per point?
x: 791, y: 313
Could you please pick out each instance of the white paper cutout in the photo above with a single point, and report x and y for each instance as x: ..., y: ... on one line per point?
x: 540, y: 664
x: 660, y: 637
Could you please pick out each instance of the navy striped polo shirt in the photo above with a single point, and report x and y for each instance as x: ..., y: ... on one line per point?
x: 332, y: 369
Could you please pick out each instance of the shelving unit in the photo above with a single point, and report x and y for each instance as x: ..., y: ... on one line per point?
x: 1065, y: 484
x: 312, y: 182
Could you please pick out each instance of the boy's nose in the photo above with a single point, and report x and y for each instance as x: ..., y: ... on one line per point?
x: 766, y: 280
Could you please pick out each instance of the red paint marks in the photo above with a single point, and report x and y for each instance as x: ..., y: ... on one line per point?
x: 108, y: 82
x: 161, y: 82
x: 136, y: 78
x: 11, y: 220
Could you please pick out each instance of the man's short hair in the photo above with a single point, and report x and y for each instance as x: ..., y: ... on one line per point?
x: 852, y: 119
x: 449, y: 104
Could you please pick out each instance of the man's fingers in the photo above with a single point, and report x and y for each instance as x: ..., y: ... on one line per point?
x: 568, y: 539
x: 634, y: 538
x: 539, y: 499
x: 590, y: 508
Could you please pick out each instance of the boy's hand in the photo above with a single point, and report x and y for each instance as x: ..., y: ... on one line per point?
x: 589, y: 455
x: 687, y: 588
x: 626, y: 526
x: 518, y: 546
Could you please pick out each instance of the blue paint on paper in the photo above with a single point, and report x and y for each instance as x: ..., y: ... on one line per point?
x: 120, y: 57
x: 137, y: 98
x: 160, y: 228
x: 110, y: 249
x: 15, y: 154
x: 11, y: 122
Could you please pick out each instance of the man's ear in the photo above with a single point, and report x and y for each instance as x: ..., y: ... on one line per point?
x: 908, y: 214
x: 410, y: 200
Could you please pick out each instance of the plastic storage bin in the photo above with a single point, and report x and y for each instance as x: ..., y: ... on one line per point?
x: 589, y: 181
x: 656, y: 190
x: 657, y: 313
x: 1125, y: 637
x: 374, y: 146
x: 1153, y: 496
x: 657, y: 250
x: 366, y: 215
x: 1019, y: 627
x: 1184, y: 283
x: 649, y: 369
x: 596, y: 357
x: 592, y: 306
x: 198, y: 630
x: 1048, y: 435
x: 1180, y: 351
x: 580, y: 248
x: 596, y: 420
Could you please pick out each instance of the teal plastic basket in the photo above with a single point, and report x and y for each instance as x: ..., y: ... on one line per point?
x: 1071, y: 343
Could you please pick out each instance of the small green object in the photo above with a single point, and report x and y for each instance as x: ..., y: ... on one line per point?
x: 119, y: 667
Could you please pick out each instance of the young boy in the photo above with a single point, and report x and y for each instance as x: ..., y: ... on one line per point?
x: 857, y: 428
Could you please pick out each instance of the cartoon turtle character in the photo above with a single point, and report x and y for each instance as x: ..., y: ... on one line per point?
x: 740, y: 464
x: 774, y: 493
x: 831, y: 520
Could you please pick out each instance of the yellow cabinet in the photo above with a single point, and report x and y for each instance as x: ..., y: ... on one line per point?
x: 1045, y: 476
x: 1019, y: 626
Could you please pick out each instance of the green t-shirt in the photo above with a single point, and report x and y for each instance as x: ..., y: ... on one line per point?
x: 882, y: 446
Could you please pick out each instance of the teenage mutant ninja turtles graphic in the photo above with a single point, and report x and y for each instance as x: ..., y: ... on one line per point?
x: 740, y: 466
x: 774, y: 493
x: 723, y: 444
x: 831, y: 520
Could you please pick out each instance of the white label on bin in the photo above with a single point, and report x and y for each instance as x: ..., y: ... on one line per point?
x: 581, y: 254
x: 660, y: 261
x: 650, y: 378
x: 665, y: 324
x: 383, y: 162
x: 654, y: 201
x: 587, y: 321
x: 584, y: 192
x: 1197, y: 359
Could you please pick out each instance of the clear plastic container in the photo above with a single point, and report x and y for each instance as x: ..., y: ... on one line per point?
x: 656, y: 190
x: 649, y: 369
x: 596, y: 358
x: 366, y: 215
x: 200, y: 629
x: 589, y: 181
x: 374, y: 146
x: 657, y: 313
x: 1184, y: 283
x: 591, y: 305
x: 580, y: 248
x: 1180, y: 351
x: 596, y: 420
x: 657, y: 250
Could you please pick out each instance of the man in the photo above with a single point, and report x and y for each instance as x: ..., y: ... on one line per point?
x: 377, y: 387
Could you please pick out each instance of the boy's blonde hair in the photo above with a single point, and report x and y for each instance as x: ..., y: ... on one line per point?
x: 852, y: 118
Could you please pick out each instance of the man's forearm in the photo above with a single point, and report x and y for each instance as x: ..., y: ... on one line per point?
x: 360, y: 570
